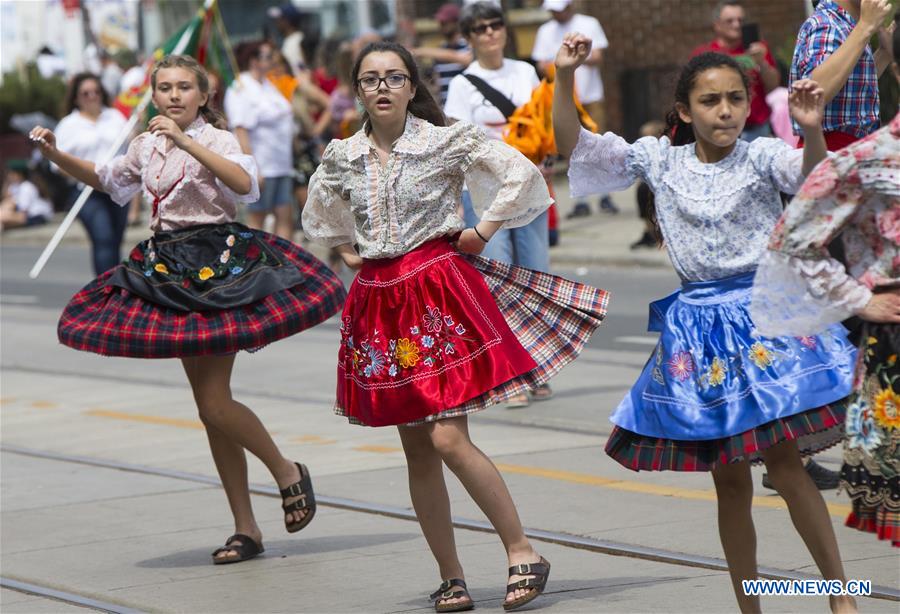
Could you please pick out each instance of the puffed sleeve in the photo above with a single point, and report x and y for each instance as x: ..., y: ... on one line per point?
x: 226, y: 145
x: 505, y: 185
x: 120, y: 177
x: 602, y: 163
x: 327, y: 218
x: 780, y: 162
x: 799, y: 288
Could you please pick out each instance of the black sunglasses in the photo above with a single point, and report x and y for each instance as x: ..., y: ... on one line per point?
x: 496, y: 25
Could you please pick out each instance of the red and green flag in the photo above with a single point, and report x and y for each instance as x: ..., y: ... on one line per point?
x: 204, y: 37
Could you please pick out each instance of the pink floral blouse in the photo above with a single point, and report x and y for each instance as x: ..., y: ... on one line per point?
x: 799, y: 288
x: 182, y: 191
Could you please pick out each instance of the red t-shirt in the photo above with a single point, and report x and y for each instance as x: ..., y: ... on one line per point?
x: 759, y: 110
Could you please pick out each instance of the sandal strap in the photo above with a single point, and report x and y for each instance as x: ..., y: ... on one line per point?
x: 303, y: 485
x: 303, y: 503
x: 525, y: 583
x: 246, y: 547
x: 530, y: 569
x: 444, y: 592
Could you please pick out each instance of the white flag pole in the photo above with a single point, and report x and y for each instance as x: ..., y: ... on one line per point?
x: 86, y: 192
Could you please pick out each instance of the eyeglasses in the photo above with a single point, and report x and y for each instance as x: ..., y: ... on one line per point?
x: 394, y: 82
x: 495, y: 26
x: 86, y: 93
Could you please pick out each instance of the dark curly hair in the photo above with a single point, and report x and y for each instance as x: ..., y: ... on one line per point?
x: 680, y: 132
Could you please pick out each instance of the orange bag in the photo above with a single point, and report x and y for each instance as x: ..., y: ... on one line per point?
x: 530, y: 128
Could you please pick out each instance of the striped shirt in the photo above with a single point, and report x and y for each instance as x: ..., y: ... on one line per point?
x: 445, y: 71
x: 855, y: 108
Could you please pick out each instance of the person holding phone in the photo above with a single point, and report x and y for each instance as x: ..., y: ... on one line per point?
x: 741, y: 40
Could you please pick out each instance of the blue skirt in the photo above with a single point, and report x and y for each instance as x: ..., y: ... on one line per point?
x: 713, y: 376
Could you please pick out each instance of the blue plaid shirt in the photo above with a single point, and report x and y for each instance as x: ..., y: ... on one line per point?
x: 854, y: 109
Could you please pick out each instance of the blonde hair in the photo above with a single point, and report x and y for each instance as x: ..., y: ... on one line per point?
x: 190, y: 64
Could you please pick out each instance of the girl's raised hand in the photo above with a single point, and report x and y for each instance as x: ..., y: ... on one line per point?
x: 45, y: 139
x: 167, y: 127
x: 807, y: 103
x: 573, y: 52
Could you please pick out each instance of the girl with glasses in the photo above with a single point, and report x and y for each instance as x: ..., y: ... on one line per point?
x: 429, y: 332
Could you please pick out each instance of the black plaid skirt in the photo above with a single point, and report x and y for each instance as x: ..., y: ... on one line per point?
x: 205, y: 290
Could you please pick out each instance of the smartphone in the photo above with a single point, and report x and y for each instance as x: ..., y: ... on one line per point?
x: 749, y: 34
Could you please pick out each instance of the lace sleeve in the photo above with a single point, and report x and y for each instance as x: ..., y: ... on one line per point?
x: 799, y: 289
x: 600, y: 163
x: 803, y: 296
x: 505, y: 186
x: 121, y: 176
x: 327, y: 218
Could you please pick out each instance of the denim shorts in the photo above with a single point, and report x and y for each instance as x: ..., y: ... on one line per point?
x: 276, y: 192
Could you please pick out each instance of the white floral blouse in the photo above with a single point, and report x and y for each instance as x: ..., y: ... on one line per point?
x: 799, y: 289
x: 415, y: 197
x: 182, y: 191
x: 715, y: 218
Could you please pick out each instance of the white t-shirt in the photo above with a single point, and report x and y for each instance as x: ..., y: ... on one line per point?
x: 89, y: 140
x: 29, y: 201
x: 266, y: 115
x: 290, y: 49
x: 549, y: 38
x: 515, y: 79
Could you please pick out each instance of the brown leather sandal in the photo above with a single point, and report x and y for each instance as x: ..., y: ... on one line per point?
x: 539, y: 571
x: 244, y: 547
x: 306, y: 502
x: 445, y: 591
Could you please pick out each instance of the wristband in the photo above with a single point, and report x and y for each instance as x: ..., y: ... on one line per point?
x: 475, y: 228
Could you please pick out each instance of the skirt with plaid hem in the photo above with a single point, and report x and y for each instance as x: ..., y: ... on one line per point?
x: 814, y: 431
x: 715, y: 391
x: 435, y: 334
x: 871, y: 471
x: 205, y: 290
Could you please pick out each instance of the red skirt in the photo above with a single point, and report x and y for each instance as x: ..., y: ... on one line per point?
x: 424, y: 337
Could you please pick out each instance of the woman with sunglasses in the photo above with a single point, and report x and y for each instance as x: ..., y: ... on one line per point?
x: 428, y: 334
x: 484, y: 28
x: 88, y: 130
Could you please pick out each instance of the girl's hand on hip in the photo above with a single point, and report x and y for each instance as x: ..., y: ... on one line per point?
x: 469, y: 242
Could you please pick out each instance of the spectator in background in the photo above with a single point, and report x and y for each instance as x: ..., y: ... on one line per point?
x: 342, y: 104
x: 780, y: 119
x: 833, y: 49
x: 21, y: 204
x: 111, y: 74
x: 728, y: 19
x: 88, y: 131
x: 262, y: 120
x: 287, y: 21
x: 453, y: 55
x: 588, y: 83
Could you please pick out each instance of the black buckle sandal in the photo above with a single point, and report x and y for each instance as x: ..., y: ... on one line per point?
x: 540, y: 572
x: 247, y: 549
x: 307, y: 501
x: 445, y: 591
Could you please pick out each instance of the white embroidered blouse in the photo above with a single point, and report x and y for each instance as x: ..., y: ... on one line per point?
x: 715, y: 218
x: 388, y: 211
x: 182, y: 191
x: 799, y: 288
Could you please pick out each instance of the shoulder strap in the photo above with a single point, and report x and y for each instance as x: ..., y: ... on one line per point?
x: 497, y: 99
